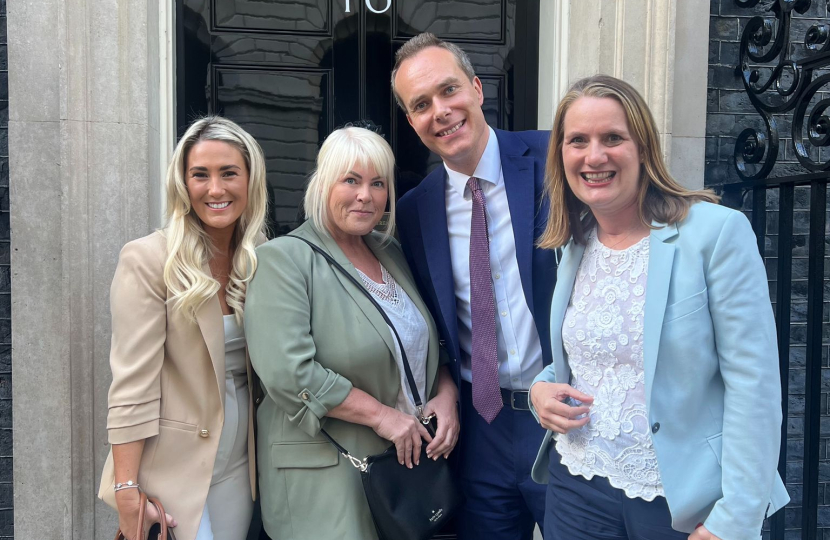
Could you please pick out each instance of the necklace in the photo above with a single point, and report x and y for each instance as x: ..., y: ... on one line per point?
x: 618, y: 242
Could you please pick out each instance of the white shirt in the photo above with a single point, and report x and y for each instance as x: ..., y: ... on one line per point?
x: 414, y: 333
x: 603, y: 338
x: 519, y: 350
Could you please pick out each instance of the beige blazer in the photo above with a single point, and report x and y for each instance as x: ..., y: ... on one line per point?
x: 168, y: 386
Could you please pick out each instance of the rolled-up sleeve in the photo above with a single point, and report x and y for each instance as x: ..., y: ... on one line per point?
x: 139, y: 320
x: 280, y: 342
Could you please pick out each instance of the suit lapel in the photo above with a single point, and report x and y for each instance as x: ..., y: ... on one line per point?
x: 212, y: 326
x: 432, y: 207
x: 565, y: 279
x: 369, y: 310
x: 518, y: 172
x: 660, y: 261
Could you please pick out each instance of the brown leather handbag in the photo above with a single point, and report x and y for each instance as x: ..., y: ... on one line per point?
x: 158, y: 531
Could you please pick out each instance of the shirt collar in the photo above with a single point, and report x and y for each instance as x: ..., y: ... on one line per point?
x: 487, y: 170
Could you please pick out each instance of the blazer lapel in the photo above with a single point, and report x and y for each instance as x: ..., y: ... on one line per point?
x: 369, y: 310
x: 518, y: 172
x: 405, y: 281
x: 212, y: 326
x: 566, y: 277
x: 432, y: 207
x: 660, y: 261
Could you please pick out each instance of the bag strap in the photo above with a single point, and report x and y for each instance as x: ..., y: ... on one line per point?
x: 409, y: 377
x: 361, y: 464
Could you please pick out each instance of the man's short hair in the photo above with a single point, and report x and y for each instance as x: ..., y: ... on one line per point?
x: 424, y: 41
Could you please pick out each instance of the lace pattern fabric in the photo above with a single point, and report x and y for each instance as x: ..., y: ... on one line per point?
x: 603, y: 338
x: 411, y: 326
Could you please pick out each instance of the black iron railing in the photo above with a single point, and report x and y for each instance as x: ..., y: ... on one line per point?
x: 781, y: 81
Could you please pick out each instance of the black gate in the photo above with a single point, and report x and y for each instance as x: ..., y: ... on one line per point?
x: 785, y: 159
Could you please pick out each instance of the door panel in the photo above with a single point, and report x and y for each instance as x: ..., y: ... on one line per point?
x: 296, y: 16
x: 291, y: 71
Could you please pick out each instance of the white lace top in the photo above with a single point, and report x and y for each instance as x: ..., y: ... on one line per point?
x: 413, y: 330
x: 603, y: 338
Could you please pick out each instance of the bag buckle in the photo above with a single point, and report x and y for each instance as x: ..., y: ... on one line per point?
x: 359, y: 464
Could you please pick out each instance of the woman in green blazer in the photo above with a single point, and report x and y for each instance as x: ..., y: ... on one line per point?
x: 325, y: 356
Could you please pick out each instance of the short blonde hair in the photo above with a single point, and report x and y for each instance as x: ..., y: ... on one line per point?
x: 341, y: 151
x: 188, y: 244
x: 661, y: 198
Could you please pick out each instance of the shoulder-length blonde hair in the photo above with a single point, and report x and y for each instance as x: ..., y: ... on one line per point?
x: 341, y: 151
x: 661, y: 198
x: 189, y: 247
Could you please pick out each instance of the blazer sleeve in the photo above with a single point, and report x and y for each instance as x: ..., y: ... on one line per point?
x: 747, y: 350
x: 547, y: 375
x: 139, y: 321
x: 280, y: 343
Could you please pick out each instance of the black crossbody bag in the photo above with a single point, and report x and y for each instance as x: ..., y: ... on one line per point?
x: 406, y: 504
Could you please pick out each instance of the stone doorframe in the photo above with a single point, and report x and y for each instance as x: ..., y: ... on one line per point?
x: 656, y: 45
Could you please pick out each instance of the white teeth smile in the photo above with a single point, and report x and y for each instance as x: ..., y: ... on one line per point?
x: 451, y: 130
x: 218, y: 206
x: 597, y: 178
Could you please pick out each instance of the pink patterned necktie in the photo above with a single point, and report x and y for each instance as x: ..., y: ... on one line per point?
x: 485, y: 360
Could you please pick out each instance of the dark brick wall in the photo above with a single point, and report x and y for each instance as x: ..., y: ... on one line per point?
x: 6, y: 499
x: 729, y: 111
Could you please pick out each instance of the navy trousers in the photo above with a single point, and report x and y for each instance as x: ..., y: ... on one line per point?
x: 580, y: 509
x: 502, y: 501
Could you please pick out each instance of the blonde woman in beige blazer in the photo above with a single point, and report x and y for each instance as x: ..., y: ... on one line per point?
x: 180, y: 415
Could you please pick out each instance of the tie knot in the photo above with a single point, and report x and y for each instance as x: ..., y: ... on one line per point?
x: 472, y: 183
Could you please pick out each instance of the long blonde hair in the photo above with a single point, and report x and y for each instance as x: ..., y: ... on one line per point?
x: 661, y: 197
x: 189, y: 247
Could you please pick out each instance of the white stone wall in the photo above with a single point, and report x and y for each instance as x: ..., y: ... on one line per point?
x: 659, y: 46
x: 83, y: 85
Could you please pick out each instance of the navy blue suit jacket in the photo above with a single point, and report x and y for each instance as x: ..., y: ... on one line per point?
x: 422, y: 227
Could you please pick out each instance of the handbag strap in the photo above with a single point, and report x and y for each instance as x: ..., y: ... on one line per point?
x: 360, y: 464
x: 165, y: 533
x: 409, y: 377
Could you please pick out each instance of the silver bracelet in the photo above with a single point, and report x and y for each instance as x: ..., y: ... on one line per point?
x: 129, y: 484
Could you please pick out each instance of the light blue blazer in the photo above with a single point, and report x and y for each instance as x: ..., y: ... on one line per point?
x: 713, y: 389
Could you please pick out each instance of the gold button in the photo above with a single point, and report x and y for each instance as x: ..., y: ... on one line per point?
x: 204, y: 433
x: 305, y: 396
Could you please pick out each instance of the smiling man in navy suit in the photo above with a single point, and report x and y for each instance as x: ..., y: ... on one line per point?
x: 469, y: 231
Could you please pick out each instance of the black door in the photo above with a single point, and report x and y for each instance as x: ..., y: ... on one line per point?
x: 290, y: 71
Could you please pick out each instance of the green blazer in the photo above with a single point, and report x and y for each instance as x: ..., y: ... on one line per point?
x: 312, y: 337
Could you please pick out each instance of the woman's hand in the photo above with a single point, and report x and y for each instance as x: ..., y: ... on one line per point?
x: 405, y: 431
x: 444, y: 407
x: 555, y: 415
x: 128, y: 501
x: 702, y: 533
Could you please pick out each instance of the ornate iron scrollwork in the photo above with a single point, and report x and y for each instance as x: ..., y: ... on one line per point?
x: 782, y: 85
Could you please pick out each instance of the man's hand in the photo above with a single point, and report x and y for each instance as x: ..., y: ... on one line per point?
x: 445, y: 410
x: 702, y: 533
x: 555, y: 415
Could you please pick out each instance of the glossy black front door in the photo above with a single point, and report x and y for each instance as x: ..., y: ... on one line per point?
x: 290, y: 71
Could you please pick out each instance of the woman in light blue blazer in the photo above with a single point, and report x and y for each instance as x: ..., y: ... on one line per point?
x: 664, y: 391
